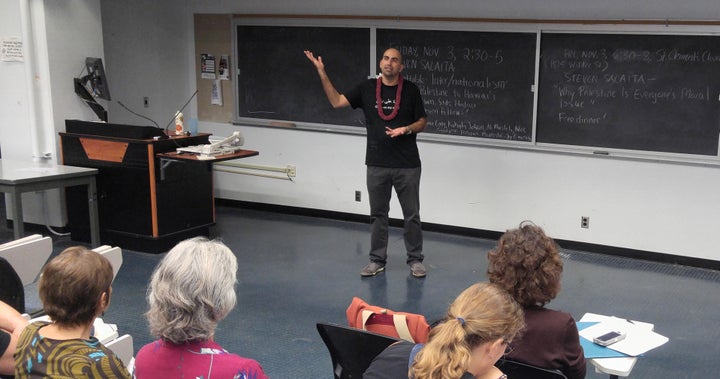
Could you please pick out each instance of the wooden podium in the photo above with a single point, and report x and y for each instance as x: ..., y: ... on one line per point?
x: 149, y: 197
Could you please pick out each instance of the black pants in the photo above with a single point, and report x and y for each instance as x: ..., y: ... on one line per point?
x: 406, y: 181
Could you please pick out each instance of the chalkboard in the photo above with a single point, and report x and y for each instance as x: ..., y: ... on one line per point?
x: 474, y: 84
x: 641, y: 91
x: 276, y: 81
x: 638, y: 92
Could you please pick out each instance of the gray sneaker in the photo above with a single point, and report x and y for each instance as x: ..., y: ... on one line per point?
x: 417, y: 269
x: 372, y: 269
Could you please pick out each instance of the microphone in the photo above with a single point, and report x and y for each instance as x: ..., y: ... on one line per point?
x: 137, y: 114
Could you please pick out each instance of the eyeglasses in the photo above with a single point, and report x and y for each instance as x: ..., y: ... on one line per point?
x: 508, y: 348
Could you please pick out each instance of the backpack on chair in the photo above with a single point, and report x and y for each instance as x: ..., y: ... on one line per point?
x: 411, y: 327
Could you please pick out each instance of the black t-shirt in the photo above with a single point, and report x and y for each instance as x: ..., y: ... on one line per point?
x: 381, y: 150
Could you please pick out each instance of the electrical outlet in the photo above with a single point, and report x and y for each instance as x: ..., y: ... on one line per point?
x: 290, y: 170
x: 146, y: 102
x: 358, y: 196
x: 585, y: 222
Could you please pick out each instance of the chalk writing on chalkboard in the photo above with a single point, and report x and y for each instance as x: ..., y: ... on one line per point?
x: 638, y: 92
x: 474, y: 84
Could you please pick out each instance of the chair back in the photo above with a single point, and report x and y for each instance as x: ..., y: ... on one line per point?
x: 12, y: 291
x: 113, y: 254
x: 519, y: 370
x: 351, y: 350
x: 27, y: 256
x: 123, y: 348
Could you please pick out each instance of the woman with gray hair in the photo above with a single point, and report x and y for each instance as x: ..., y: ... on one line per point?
x: 191, y: 290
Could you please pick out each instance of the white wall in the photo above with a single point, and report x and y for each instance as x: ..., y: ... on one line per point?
x: 74, y: 32
x: 654, y: 206
x: 148, y: 55
x: 14, y: 107
x: 546, y: 9
x: 665, y: 208
x: 60, y: 34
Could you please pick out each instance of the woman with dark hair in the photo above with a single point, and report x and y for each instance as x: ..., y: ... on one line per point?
x: 479, y: 325
x: 74, y: 289
x: 527, y: 264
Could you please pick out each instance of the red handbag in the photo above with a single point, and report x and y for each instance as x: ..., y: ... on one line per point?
x: 411, y: 327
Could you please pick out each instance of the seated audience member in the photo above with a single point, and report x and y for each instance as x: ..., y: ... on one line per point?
x: 11, y: 325
x: 74, y: 290
x: 527, y: 264
x: 191, y: 290
x: 479, y: 325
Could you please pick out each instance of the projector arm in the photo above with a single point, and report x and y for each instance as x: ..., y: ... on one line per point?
x: 84, y: 94
x: 236, y: 139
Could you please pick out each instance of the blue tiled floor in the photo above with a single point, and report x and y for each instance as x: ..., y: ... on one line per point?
x: 298, y: 270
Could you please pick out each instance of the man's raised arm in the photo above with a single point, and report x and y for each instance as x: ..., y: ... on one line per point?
x: 336, y: 99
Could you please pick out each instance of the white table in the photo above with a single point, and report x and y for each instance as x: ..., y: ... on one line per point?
x: 621, y: 366
x: 614, y: 367
x: 17, y: 176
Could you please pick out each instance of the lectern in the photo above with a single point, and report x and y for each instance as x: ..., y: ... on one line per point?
x: 149, y: 198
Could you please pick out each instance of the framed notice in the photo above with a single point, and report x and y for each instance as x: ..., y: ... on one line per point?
x: 207, y: 66
x: 224, y: 68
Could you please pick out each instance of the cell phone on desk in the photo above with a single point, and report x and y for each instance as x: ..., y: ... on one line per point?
x: 609, y: 338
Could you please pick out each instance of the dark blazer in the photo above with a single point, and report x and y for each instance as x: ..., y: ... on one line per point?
x: 550, y: 340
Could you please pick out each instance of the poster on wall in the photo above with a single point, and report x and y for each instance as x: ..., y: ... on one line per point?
x: 11, y: 49
x: 224, y: 68
x: 216, y: 93
x: 207, y: 66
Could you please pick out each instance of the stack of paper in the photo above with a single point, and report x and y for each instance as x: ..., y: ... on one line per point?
x: 104, y: 332
x: 639, y: 338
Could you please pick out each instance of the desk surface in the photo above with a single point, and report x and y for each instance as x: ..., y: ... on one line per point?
x: 16, y: 172
x: 219, y: 158
x: 18, y: 176
x: 615, y: 366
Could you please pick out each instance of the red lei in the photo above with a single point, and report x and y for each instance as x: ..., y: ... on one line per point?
x: 378, y: 99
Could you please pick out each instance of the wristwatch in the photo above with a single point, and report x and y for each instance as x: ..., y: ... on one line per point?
x: 408, y: 130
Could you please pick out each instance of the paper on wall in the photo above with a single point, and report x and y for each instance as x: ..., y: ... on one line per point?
x: 216, y: 93
x: 11, y: 49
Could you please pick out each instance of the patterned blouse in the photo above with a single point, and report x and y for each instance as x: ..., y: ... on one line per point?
x: 40, y: 357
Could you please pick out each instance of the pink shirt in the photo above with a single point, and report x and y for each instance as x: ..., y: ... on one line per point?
x: 201, y: 360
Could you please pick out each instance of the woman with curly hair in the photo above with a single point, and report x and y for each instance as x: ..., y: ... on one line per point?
x: 527, y: 264
x: 191, y: 290
x: 479, y: 325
